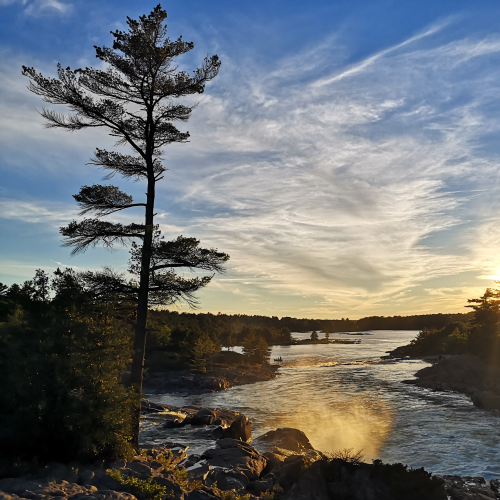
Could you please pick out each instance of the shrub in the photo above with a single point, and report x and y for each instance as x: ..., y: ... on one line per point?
x: 347, y: 455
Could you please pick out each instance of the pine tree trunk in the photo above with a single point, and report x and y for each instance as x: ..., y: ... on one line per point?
x: 137, y: 369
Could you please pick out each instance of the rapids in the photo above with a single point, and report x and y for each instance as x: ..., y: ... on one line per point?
x: 345, y: 396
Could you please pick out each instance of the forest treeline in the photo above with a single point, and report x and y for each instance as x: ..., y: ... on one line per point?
x: 235, y: 322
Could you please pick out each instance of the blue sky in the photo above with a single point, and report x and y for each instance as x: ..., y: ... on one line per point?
x: 346, y: 156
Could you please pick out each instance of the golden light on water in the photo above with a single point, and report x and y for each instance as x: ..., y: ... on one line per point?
x: 360, y: 423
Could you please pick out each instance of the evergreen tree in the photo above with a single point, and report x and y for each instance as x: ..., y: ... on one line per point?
x: 135, y: 99
x: 314, y: 336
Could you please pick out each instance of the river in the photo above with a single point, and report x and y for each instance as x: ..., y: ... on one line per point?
x: 345, y: 396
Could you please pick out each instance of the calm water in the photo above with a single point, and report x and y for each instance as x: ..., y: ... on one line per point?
x: 344, y: 396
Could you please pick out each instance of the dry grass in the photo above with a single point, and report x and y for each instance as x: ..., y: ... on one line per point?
x: 347, y: 455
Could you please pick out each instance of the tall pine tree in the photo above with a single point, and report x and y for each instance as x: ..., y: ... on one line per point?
x: 136, y: 100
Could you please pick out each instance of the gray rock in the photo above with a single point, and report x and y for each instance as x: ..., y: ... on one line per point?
x: 175, y: 423
x: 104, y: 482
x: 203, y: 417
x: 259, y: 487
x: 218, y: 432
x: 137, y: 469
x: 239, y: 455
x: 285, y: 437
x: 274, y: 461
x: 469, y: 488
x: 198, y: 471
x: 290, y: 471
x: 169, y: 481
x: 227, y: 480
x: 111, y: 495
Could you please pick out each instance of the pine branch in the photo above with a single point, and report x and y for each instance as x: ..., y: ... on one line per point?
x: 103, y: 200
x: 168, y: 288
x: 127, y: 165
x: 185, y: 252
x: 90, y: 232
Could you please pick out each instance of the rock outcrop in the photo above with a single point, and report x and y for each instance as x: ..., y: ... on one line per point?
x: 466, y: 374
x: 287, y: 438
x: 200, y: 383
x: 231, y: 453
x: 290, y: 469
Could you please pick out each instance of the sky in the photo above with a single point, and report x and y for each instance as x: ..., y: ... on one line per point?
x: 346, y: 156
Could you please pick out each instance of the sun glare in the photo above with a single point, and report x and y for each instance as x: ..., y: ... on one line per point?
x: 495, y: 276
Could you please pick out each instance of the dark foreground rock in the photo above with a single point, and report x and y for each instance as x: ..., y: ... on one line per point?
x: 200, y: 383
x: 290, y: 469
x: 466, y: 374
x: 471, y: 488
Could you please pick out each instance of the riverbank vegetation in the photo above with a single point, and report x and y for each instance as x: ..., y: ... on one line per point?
x: 479, y: 335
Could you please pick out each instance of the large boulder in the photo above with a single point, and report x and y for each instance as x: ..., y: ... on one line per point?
x: 240, y: 429
x: 234, y: 454
x: 285, y: 437
x: 203, y: 417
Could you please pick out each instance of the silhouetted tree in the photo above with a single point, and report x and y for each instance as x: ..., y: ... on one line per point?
x: 135, y: 100
x: 314, y: 336
x: 484, y: 327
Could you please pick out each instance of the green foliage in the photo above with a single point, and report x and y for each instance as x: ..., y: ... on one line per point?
x: 256, y: 349
x: 452, y: 339
x: 484, y: 335
x: 61, y: 394
x: 159, y: 337
x: 229, y: 495
x: 202, y: 352
x: 276, y: 492
x: 146, y: 487
x: 409, y: 484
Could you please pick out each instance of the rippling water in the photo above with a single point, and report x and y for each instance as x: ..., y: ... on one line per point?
x: 345, y: 396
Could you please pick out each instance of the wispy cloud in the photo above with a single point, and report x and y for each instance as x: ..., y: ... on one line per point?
x: 35, y: 212
x: 345, y: 193
x: 41, y: 7
x: 333, y: 191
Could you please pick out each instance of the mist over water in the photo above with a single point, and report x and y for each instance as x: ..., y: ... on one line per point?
x: 345, y: 396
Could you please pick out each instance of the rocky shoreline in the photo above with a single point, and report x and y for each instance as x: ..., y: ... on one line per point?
x: 280, y: 464
x: 219, y: 379
x: 466, y: 374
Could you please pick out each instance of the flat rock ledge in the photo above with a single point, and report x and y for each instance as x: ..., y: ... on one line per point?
x: 201, y: 383
x: 466, y: 374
